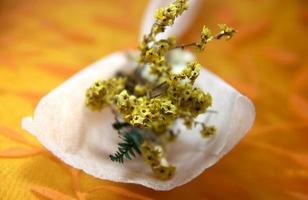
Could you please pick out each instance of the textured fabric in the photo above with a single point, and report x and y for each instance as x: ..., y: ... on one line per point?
x: 45, y: 42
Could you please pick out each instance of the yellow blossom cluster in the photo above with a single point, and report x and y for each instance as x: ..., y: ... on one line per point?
x: 102, y: 92
x: 154, y: 106
x: 143, y: 112
x: 140, y: 90
x: 225, y: 31
x: 207, y: 130
x: 153, y: 52
x: 166, y: 16
x: 155, y: 55
x: 206, y: 36
x: 154, y: 156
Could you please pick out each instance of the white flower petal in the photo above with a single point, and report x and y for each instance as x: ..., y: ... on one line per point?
x: 84, y: 139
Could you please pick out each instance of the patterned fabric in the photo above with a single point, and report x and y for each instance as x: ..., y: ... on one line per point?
x: 44, y: 42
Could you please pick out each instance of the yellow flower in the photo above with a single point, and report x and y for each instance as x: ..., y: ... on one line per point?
x: 164, y: 172
x: 152, y: 56
x: 150, y: 154
x: 101, y: 93
x: 207, y: 131
x: 206, y: 34
x: 153, y: 155
x: 225, y: 31
x: 192, y: 71
x: 139, y: 90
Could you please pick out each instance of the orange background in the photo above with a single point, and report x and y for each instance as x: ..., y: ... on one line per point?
x: 44, y: 42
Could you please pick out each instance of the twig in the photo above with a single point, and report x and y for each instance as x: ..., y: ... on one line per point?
x: 185, y: 45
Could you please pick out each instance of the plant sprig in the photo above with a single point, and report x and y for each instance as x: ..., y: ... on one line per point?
x: 148, y: 109
x: 206, y: 37
x: 129, y: 147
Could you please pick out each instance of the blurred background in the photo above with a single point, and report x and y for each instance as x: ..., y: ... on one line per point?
x: 44, y: 42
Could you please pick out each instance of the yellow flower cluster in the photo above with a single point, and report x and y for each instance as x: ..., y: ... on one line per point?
x: 206, y: 36
x: 140, y: 90
x: 225, y: 31
x: 101, y: 93
x: 154, y: 156
x: 189, y: 100
x: 166, y: 16
x: 154, y: 54
x: 180, y: 99
x: 191, y: 71
x: 153, y: 107
x: 143, y: 112
x: 207, y: 131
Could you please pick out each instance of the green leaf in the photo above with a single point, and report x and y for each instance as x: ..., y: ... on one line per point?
x: 127, y: 155
x: 128, y: 147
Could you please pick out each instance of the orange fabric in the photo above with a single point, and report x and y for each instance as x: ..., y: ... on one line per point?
x: 45, y: 42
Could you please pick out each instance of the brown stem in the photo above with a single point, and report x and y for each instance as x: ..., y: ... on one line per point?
x: 185, y: 45
x: 219, y: 35
x: 158, y: 90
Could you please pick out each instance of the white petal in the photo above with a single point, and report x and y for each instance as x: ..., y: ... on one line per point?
x: 84, y: 139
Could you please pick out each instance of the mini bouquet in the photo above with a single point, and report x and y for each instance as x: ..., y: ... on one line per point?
x: 153, y: 117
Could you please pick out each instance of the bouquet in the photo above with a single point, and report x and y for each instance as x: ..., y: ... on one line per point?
x: 152, y: 116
